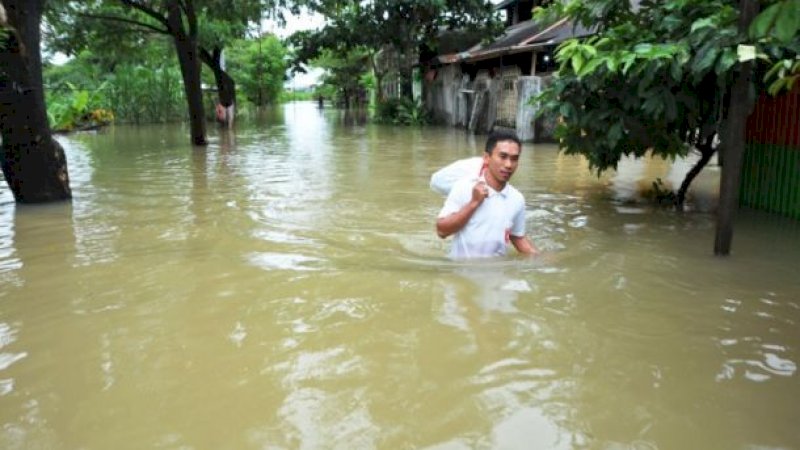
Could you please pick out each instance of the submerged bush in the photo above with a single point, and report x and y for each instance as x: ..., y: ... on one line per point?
x: 70, y: 108
x: 401, y: 111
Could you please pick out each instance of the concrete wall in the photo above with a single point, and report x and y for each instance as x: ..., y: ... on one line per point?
x: 441, y: 95
x: 527, y: 87
x: 455, y: 100
x: 530, y: 128
x: 509, y: 98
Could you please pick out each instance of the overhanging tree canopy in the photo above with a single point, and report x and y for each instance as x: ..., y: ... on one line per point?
x: 199, y: 29
x: 408, y: 27
x: 657, y: 78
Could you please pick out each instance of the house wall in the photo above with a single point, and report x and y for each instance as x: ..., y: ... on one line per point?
x: 440, y: 94
x: 771, y: 169
x: 525, y: 125
x: 508, y: 97
x: 487, y: 101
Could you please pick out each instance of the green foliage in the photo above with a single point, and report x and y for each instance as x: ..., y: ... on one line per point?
x: 780, y: 20
x: 345, y: 73
x: 650, y: 79
x: 121, y: 26
x: 783, y: 75
x: 197, y: 28
x: 293, y: 96
x: 776, y: 31
x: 656, y: 79
x: 412, y: 113
x: 70, y: 108
x: 401, y: 111
x: 148, y: 88
x: 387, y: 110
x: 259, y: 66
x: 409, y: 28
x: 141, y: 94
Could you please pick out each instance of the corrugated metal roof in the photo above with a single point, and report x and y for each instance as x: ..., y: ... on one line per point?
x: 519, y: 38
x: 513, y: 35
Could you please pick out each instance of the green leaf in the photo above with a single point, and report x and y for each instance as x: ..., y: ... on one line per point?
x: 577, y: 62
x: 602, y: 42
x: 643, y: 49
x: 627, y: 62
x: 726, y: 61
x: 787, y: 23
x: 707, y: 55
x: 775, y: 69
x: 777, y: 86
x: 790, y: 82
x: 612, y: 63
x: 702, y: 23
x: 676, y: 70
x: 614, y: 134
x: 763, y: 22
x: 566, y: 110
x: 590, y: 67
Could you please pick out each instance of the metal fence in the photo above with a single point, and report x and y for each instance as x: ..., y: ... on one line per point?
x: 771, y: 171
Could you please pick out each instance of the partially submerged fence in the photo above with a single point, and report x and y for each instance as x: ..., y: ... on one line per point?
x: 771, y: 170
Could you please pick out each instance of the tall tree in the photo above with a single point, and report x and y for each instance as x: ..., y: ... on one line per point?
x: 175, y: 18
x: 260, y: 68
x: 200, y: 29
x: 664, y: 77
x: 408, y: 27
x: 33, y: 163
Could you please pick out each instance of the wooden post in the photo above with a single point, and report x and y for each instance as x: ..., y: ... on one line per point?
x: 739, y: 107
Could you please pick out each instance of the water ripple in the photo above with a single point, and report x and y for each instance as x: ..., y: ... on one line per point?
x: 758, y: 356
x: 284, y: 261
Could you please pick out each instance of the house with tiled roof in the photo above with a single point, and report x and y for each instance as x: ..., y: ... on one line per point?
x: 490, y: 85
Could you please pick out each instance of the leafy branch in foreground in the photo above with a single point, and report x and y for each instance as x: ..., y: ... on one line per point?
x: 653, y: 80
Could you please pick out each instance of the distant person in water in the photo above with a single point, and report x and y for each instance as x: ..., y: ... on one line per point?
x: 484, y: 212
x: 320, y: 102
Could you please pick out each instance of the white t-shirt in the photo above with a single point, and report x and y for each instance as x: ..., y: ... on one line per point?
x: 485, y: 235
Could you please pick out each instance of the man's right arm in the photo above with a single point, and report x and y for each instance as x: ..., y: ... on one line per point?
x: 453, y: 223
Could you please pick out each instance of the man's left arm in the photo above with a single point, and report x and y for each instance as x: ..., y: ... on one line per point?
x: 517, y: 233
x: 523, y: 245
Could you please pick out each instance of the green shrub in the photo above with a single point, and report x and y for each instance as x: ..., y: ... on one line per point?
x: 401, y: 111
x: 69, y: 108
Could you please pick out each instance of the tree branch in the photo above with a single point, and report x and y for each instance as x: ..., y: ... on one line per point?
x: 188, y: 8
x: 148, y: 11
x: 206, y: 57
x: 707, y: 150
x: 125, y: 20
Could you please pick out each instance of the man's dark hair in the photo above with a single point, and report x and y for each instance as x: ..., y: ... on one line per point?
x: 499, y: 136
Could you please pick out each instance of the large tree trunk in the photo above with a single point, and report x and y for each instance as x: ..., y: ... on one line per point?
x: 189, y: 60
x: 190, y: 70
x: 226, y: 87
x: 33, y: 163
x: 732, y: 149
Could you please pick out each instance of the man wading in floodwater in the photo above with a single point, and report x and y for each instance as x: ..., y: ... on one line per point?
x: 485, y: 212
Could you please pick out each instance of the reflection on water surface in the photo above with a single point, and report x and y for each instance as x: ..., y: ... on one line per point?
x: 284, y: 288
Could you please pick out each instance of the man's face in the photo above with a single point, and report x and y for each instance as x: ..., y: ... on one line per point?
x: 501, y: 163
